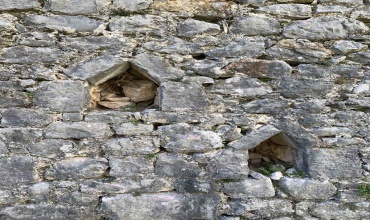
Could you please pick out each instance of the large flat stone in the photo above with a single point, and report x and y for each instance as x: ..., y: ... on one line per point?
x: 291, y: 11
x: 175, y: 165
x: 132, y: 129
x: 155, y: 68
x: 63, y: 96
x: 18, y: 170
x: 30, y: 55
x: 17, y: 138
x: 335, y: 210
x: 143, y: 24
x: 192, y: 28
x: 172, y: 45
x: 77, y: 168
x: 186, y: 139
x: 178, y: 96
x: 78, y: 130
x: 64, y: 23
x: 131, y: 146
x: 131, y: 166
x: 98, y: 70
x: 19, y: 4
x: 258, y: 186
x: 51, y: 148
x: 321, y: 28
x: 170, y: 206
x: 307, y: 188
x: 69, y: 7
x: 132, y: 5
x: 255, y: 25
x: 37, y: 211
x: 25, y: 118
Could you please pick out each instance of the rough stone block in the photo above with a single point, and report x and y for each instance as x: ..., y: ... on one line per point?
x: 7, y: 22
x: 177, y: 96
x: 307, y: 188
x: 334, y: 163
x: 64, y: 23
x: 52, y: 148
x: 239, y: 47
x: 290, y: 11
x: 63, y: 96
x: 143, y: 24
x: 210, y: 68
x: 99, y: 69
x: 77, y: 168
x: 321, y: 28
x: 17, y: 138
x: 17, y: 171
x: 37, y: 211
x: 39, y: 192
x: 131, y: 146
x: 177, y: 166
x: 25, y: 118
x: 193, y: 186
x: 192, y: 28
x: 131, y: 129
x: 78, y: 130
x: 19, y: 4
x: 258, y: 186
x: 255, y: 25
x: 155, y: 68
x: 69, y: 7
x: 110, y: 117
x: 266, y: 106
x: 131, y: 166
x: 94, y: 43
x: 132, y: 6
x: 173, y: 45
x: 334, y: 210
x: 10, y: 99
x: 169, y: 206
x: 30, y: 55
x: 186, y: 139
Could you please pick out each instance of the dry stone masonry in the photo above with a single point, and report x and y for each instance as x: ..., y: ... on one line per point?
x: 184, y: 109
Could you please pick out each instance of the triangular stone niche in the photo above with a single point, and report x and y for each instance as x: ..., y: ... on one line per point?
x: 123, y: 88
x: 273, y: 152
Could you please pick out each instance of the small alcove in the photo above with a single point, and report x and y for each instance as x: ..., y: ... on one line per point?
x: 273, y: 154
x: 126, y: 90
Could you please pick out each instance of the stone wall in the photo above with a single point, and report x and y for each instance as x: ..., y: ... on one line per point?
x: 248, y: 91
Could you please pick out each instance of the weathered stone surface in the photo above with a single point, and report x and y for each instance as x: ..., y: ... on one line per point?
x: 186, y: 139
x: 93, y: 43
x: 53, y: 148
x: 255, y: 25
x: 258, y: 186
x: 344, y: 10
x: 193, y: 186
x: 176, y: 165
x: 177, y: 96
x: 254, y: 138
x: 347, y: 46
x: 39, y: 192
x: 242, y: 86
x: 260, y: 68
x: 25, y: 118
x: 77, y: 168
x: 266, y: 106
x: 99, y: 69
x: 10, y: 99
x: 78, y: 130
x: 131, y: 146
x: 19, y: 4
x: 64, y: 23
x: 293, y: 88
x: 173, y: 45
x: 155, y: 68
x: 36, y: 39
x: 226, y: 164
x: 362, y: 13
x: 192, y: 28
x: 7, y: 23
x: 133, y: 5
x: 131, y: 129
x: 18, y: 170
x: 334, y: 163
x: 16, y: 138
x: 350, y: 2
x: 292, y: 11
x: 139, y: 24
x: 30, y: 55
x: 37, y: 211
x: 169, y: 206
x: 69, y: 7
x: 256, y: 3
x: 257, y: 208
x: 240, y: 47
x: 361, y: 57
x: 334, y: 210
x: 333, y: 131
x: 307, y: 189
x: 321, y: 28
x: 210, y: 68
x: 131, y: 166
x: 110, y: 117
x: 299, y: 51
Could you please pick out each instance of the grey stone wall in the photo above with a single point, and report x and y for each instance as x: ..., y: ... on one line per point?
x: 231, y: 75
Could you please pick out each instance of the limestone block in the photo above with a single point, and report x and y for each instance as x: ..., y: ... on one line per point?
x: 110, y: 117
x: 321, y: 28
x: 77, y: 168
x: 64, y: 23
x: 25, y: 118
x: 78, y: 130
x: 64, y: 96
x: 37, y: 211
x: 186, y: 139
x: 7, y: 22
x: 131, y: 146
x: 258, y: 186
x: 30, y: 55
x: 334, y: 210
x: 18, y: 170
x: 172, y: 45
x: 132, y: 5
x: 131, y: 166
x: 307, y: 188
x: 144, y: 24
x: 266, y: 106
x: 209, y: 68
x: 53, y: 148
x: 69, y: 7
x: 176, y: 165
x: 255, y: 25
x: 19, y: 4
x: 292, y: 11
x: 193, y: 186
x: 131, y: 129
x: 192, y: 28
x: 169, y: 206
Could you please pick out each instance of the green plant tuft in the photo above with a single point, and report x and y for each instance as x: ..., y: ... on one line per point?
x: 364, y: 190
